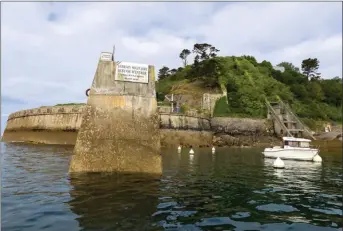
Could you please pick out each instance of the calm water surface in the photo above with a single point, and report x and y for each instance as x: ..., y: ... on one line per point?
x: 233, y: 189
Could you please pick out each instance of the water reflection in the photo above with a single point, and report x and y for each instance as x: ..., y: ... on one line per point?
x: 299, y: 185
x: 279, y: 173
x: 114, y: 201
x: 191, y: 160
x: 232, y: 189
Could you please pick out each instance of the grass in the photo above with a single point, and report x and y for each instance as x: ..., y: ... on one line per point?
x: 184, y: 87
x: 70, y: 104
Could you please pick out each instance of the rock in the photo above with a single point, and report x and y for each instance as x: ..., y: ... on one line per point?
x: 229, y: 140
x: 239, y: 126
x: 329, y: 135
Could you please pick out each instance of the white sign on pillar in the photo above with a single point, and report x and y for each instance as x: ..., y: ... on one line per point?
x: 132, y: 72
x: 106, y: 56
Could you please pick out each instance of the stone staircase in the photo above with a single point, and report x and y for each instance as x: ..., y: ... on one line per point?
x: 286, y: 122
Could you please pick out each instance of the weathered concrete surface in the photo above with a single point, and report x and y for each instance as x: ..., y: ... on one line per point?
x: 49, y: 125
x: 119, y: 130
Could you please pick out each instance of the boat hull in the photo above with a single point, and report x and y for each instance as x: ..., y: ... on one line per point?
x: 291, y: 154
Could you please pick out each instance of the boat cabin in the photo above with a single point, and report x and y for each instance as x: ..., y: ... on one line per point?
x: 292, y: 142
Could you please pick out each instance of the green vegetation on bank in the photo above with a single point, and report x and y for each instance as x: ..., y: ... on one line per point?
x: 70, y: 104
x: 248, y: 82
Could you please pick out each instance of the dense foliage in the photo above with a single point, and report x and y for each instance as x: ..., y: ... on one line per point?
x: 248, y: 83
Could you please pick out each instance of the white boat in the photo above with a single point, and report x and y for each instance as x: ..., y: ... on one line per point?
x: 292, y: 149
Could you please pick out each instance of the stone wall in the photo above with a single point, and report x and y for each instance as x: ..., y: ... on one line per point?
x: 57, y: 118
x: 185, y: 130
x: 209, y: 101
x: 182, y: 122
x: 206, y: 102
x: 49, y: 125
x: 59, y: 125
x: 182, y: 99
x: 240, y: 126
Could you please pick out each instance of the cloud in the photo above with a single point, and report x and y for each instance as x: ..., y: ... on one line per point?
x: 52, y: 59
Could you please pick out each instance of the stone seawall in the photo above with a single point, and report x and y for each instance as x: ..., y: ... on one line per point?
x: 182, y: 122
x: 185, y: 130
x: 50, y: 125
x: 57, y: 118
x: 60, y: 125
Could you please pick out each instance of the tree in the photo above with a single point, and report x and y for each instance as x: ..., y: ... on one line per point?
x: 332, y: 89
x: 310, y: 67
x: 289, y: 66
x: 213, y: 52
x: 267, y: 64
x: 300, y: 91
x: 183, y: 56
x: 173, y: 71
x: 316, y: 92
x: 204, y: 51
x: 163, y: 72
x: 251, y: 59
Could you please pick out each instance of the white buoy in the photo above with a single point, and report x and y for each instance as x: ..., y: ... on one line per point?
x: 191, y: 151
x: 179, y: 148
x: 278, y: 163
x: 317, y: 158
x: 213, y: 149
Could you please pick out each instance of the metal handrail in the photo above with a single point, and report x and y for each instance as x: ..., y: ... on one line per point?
x: 277, y: 118
x: 297, y: 119
x: 293, y: 114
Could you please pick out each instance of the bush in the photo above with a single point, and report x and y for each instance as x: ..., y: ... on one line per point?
x: 160, y: 96
x: 221, y: 107
x: 184, y: 108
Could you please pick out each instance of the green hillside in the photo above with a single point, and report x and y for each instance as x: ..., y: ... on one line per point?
x: 248, y: 82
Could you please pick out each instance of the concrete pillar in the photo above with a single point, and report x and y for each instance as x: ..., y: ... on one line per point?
x: 120, y: 127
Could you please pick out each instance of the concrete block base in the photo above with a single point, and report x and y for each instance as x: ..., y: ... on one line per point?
x: 114, y: 140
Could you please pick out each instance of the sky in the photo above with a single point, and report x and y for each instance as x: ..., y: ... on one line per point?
x: 49, y: 51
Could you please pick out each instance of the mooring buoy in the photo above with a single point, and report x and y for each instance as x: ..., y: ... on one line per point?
x: 317, y: 158
x: 278, y: 163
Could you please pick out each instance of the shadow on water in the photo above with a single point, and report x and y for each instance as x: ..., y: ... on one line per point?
x: 114, y: 201
x: 35, y: 187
